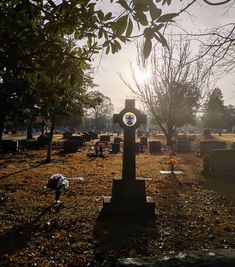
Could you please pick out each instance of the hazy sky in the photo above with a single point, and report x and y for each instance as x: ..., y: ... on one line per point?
x: 204, y: 16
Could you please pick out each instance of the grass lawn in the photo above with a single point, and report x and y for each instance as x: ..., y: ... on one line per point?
x: 192, y: 212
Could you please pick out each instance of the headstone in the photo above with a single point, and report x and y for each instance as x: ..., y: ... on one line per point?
x: 78, y: 138
x: 43, y: 140
x: 183, y: 146
x: 115, y: 148
x: 9, y: 146
x: 207, y: 145
x: 70, y: 146
x: 67, y: 135
x: 117, y: 140
x: 104, y: 138
x: 128, y: 193
x: 144, y: 141
x: 155, y: 147
x: 93, y: 135
x: 221, y: 162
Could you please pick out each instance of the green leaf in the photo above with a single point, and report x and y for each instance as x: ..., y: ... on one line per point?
x: 142, y: 18
x: 167, y: 17
x: 141, y: 7
x: 106, y: 43
x: 117, y: 45
x: 100, y: 15
x: 163, y: 40
x: 108, y: 16
x: 100, y: 33
x: 147, y: 48
x: 155, y: 12
x: 124, y: 4
x: 121, y: 24
x: 129, y: 28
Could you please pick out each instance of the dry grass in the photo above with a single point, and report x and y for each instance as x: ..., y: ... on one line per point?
x: 191, y: 212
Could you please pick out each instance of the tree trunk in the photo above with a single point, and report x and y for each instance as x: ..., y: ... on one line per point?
x: 169, y: 140
x: 30, y: 129
x: 49, y: 148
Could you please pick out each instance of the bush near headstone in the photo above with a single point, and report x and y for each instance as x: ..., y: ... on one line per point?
x: 70, y: 146
x: 155, y: 147
x: 183, y: 146
x: 104, y: 138
x: 9, y: 146
x: 207, y: 145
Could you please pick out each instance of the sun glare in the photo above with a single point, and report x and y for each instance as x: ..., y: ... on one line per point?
x: 142, y: 76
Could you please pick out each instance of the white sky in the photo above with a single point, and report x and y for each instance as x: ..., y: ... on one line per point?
x: 204, y: 16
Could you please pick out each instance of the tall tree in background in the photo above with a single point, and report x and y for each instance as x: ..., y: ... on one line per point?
x: 174, y: 90
x: 213, y: 117
x: 101, y: 111
x: 229, y: 118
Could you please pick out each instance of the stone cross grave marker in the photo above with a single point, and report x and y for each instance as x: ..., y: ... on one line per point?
x: 128, y: 193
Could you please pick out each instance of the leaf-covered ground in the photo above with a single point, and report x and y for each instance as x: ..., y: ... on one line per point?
x: 192, y: 212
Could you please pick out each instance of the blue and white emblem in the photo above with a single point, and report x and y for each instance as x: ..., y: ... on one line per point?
x: 129, y: 119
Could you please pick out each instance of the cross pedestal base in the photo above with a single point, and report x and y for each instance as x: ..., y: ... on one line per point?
x: 129, y: 198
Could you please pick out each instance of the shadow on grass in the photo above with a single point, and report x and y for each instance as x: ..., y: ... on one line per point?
x: 10, y: 174
x: 18, y: 237
x: 122, y: 236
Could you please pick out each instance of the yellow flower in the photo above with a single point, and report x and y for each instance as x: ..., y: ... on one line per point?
x: 171, y: 162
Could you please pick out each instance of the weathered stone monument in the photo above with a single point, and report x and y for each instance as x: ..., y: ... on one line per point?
x: 128, y: 193
x: 220, y: 162
x: 155, y: 147
x: 208, y: 145
x: 183, y: 146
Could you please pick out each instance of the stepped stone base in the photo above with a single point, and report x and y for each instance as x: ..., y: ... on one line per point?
x: 129, y: 198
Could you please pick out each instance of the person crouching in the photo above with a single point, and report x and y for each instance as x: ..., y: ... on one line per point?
x: 57, y: 182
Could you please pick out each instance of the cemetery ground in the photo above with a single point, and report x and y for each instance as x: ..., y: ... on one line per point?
x: 192, y: 212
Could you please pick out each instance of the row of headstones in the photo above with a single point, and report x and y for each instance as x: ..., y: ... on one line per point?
x: 74, y: 142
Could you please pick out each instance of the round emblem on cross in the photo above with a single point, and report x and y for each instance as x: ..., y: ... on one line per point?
x: 129, y: 119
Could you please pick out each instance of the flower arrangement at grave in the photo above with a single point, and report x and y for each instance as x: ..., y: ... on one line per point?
x: 171, y: 162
